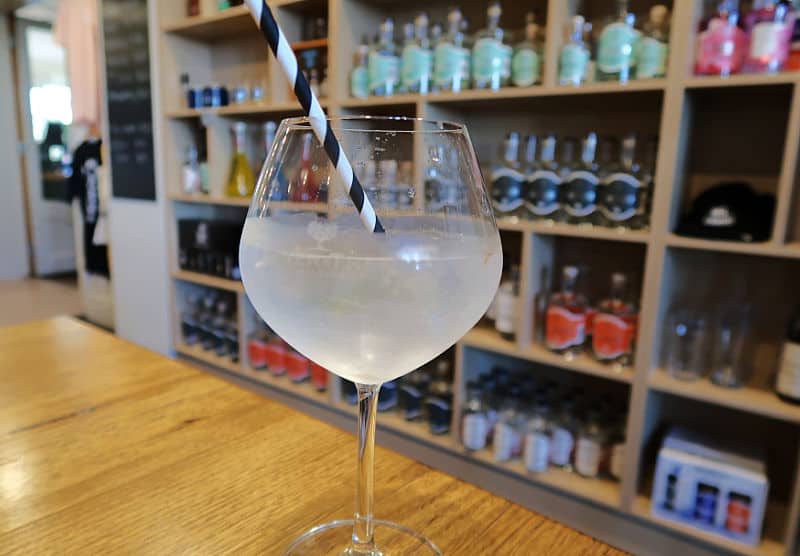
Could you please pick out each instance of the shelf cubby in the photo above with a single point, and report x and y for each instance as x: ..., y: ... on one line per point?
x: 776, y: 440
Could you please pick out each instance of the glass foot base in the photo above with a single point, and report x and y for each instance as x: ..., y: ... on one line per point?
x: 333, y: 539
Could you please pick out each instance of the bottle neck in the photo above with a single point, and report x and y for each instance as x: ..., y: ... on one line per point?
x: 548, y: 150
x: 589, y: 150
x: 628, y: 153
x: 239, y: 140
x: 618, y: 290
x: 622, y: 11
x: 511, y: 151
x: 568, y: 285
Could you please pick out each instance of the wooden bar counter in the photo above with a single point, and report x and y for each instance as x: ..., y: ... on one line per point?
x: 106, y: 448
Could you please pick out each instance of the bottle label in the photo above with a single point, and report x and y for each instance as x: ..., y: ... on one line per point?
x: 612, y: 336
x: 525, y: 67
x: 563, y: 328
x: 297, y: 367
x: 616, y: 47
x: 541, y: 192
x: 359, y: 82
x: 788, y: 381
x: 572, y: 64
x: 621, y: 198
x: 416, y: 67
x: 617, y: 459
x: 768, y: 42
x: 276, y: 358
x: 475, y: 431
x: 505, y: 312
x: 507, y: 186
x: 257, y: 353
x: 651, y: 58
x: 451, y: 66
x: 587, y: 457
x: 561, y: 446
x: 491, y: 59
x: 720, y: 48
x: 506, y: 442
x: 537, y: 451
x: 384, y: 71
x: 580, y: 194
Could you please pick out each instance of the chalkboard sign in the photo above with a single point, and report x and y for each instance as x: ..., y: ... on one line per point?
x: 130, y: 113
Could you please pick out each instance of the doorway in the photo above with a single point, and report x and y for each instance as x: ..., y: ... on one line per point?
x: 46, y: 117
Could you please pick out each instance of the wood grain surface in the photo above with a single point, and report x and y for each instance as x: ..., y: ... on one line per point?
x: 106, y: 448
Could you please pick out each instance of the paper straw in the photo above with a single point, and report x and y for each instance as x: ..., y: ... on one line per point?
x: 311, y: 107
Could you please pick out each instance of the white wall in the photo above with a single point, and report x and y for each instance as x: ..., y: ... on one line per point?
x: 13, y: 239
x: 139, y: 269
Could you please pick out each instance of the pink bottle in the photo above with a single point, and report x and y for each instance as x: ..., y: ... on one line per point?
x: 721, y: 44
x: 769, y: 27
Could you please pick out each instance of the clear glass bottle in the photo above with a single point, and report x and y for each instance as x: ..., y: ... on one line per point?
x: 192, y: 178
x: 416, y: 67
x: 241, y: 181
x: 405, y: 185
x: 622, y: 194
x: 190, y: 330
x: 642, y: 220
x: 591, y: 439
x: 616, y: 444
x: 506, y: 304
x: 452, y: 57
x: 220, y: 327
x: 206, y: 320
x: 530, y: 164
x: 540, y: 301
x: 491, y: 56
x: 614, y: 326
x: 526, y: 64
x: 383, y: 62
x: 439, y: 402
x: 507, y: 180
x: 721, y: 43
x: 573, y: 60
x: 565, y: 327
x: 652, y: 49
x: 562, y: 435
x: 616, y: 47
x: 412, y: 393
x: 474, y: 422
x: 359, y: 75
x: 387, y: 184
x: 536, y: 453
x: 579, y: 191
x: 509, y: 429
x: 543, y: 187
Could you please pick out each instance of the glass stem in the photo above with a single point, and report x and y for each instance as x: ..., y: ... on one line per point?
x: 363, y: 526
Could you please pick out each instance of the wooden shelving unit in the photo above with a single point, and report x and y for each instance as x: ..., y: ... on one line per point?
x: 226, y: 47
x: 208, y: 280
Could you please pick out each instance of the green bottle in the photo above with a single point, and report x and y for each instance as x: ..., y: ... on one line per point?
x: 491, y: 56
x: 359, y: 76
x: 416, y: 66
x: 573, y: 61
x: 451, y: 65
x: 526, y: 65
x: 383, y: 62
x: 653, y: 47
x: 617, y: 46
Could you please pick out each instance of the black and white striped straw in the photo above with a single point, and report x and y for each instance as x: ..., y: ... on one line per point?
x: 311, y: 107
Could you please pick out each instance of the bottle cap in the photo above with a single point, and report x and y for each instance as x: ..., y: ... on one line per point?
x: 570, y: 271
x: 494, y: 10
x: 658, y: 13
x: 421, y: 20
x: 454, y: 15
